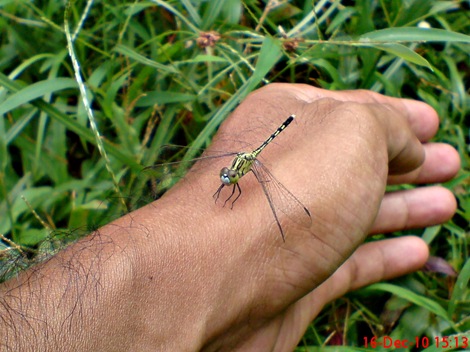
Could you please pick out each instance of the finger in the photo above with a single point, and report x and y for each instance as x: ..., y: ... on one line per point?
x: 378, y: 261
x: 422, y: 118
x: 442, y: 162
x: 419, y: 207
x: 405, y: 151
x: 370, y: 263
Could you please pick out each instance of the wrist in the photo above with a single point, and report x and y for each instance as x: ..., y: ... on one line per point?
x: 189, y: 275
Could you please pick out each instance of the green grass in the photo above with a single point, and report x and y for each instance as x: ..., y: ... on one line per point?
x: 150, y: 81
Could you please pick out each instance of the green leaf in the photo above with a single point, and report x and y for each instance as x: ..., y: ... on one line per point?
x: 232, y: 11
x: 192, y: 11
x: 173, y: 10
x: 461, y: 286
x: 413, y: 34
x: 134, y: 55
x: 211, y: 13
x: 206, y: 58
x: 81, y: 215
x: 6, y: 2
x: 160, y: 97
x: 412, y: 297
x: 269, y: 55
x: 340, y: 19
x: 71, y: 124
x: 34, y: 91
x: 430, y: 233
x: 405, y: 53
x: 32, y: 237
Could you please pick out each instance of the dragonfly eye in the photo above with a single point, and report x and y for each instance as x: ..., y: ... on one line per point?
x: 228, y: 176
x: 224, y: 176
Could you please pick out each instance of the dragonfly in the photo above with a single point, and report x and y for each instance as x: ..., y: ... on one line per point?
x: 280, y: 199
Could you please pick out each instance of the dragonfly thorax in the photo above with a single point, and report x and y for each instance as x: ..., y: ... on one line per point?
x: 240, y: 166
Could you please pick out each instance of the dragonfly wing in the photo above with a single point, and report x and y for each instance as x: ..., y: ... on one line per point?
x: 164, y: 175
x: 281, y: 199
x: 270, y: 201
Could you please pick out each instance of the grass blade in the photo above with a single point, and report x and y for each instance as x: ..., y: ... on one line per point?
x: 412, y: 297
x: 414, y: 34
x: 35, y: 91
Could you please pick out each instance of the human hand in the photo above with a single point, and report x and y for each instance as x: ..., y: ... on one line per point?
x: 342, y: 151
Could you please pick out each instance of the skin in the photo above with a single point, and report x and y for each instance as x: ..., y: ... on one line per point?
x: 185, y: 274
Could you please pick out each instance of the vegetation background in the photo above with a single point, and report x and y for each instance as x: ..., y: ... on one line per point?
x: 159, y: 72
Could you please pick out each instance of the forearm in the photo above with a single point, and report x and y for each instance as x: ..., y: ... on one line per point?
x: 62, y: 303
x: 115, y: 289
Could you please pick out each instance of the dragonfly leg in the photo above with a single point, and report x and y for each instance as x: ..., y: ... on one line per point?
x: 239, y: 194
x: 231, y: 195
x: 217, y: 193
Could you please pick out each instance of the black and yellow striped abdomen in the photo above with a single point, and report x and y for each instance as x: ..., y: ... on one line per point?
x: 243, y: 162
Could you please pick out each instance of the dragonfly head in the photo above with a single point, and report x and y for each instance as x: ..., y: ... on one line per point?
x: 228, y: 176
